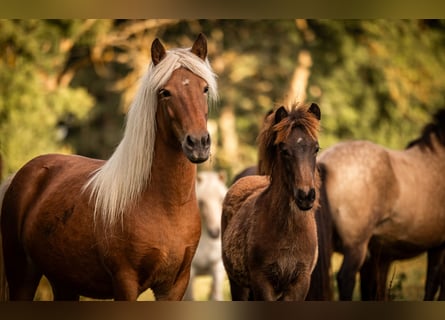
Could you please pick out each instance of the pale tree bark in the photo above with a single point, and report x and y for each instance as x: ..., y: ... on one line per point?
x: 299, y: 82
x: 229, y: 139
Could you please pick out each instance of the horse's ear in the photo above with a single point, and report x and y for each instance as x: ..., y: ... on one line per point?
x: 280, y: 114
x: 157, y: 51
x: 200, y: 46
x: 315, y: 110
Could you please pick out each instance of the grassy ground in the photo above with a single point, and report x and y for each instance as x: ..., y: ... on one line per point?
x: 201, y: 287
x: 405, y: 282
x: 406, y: 279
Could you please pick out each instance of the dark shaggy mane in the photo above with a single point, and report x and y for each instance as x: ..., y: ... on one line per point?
x: 436, y: 127
x: 272, y: 134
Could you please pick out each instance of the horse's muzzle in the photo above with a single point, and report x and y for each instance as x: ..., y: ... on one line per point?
x: 305, y: 199
x: 213, y: 233
x: 197, y: 149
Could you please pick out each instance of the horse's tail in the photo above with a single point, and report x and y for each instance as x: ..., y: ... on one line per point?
x: 321, y: 283
x: 4, y: 291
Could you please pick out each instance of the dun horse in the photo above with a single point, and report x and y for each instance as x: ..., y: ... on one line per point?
x: 269, y: 238
x: 387, y: 205
x: 210, y: 191
x: 112, y: 229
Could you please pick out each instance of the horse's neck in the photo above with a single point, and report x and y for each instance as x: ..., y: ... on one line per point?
x: 281, y: 209
x: 172, y: 174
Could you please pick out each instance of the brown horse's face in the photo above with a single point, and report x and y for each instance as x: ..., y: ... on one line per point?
x: 182, y: 103
x: 298, y: 159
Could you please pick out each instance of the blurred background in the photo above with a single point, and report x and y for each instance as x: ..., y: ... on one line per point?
x: 65, y: 85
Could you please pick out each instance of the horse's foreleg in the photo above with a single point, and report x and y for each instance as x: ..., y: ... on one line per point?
x: 261, y: 287
x: 352, y: 262
x: 442, y: 282
x: 23, y: 286
x: 125, y: 285
x: 434, y: 276
x: 22, y: 275
x: 218, y: 274
x: 63, y: 294
x: 176, y: 291
x: 373, y: 276
x: 239, y: 293
x: 299, y: 290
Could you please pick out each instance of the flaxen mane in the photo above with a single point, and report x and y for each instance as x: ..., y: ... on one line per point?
x: 437, y: 128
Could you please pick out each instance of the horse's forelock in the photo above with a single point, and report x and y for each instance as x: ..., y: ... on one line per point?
x: 176, y: 58
x: 273, y: 134
x: 298, y: 117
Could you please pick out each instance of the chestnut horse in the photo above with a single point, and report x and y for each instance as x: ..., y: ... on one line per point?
x: 269, y: 235
x: 112, y: 229
x: 386, y: 205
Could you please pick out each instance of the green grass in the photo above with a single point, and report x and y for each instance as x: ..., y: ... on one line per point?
x: 201, y: 286
x: 406, y: 279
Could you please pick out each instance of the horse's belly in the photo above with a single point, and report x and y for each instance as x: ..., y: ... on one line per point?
x: 413, y: 229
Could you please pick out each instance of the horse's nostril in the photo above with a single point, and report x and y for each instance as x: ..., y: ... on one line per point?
x: 193, y: 142
x: 306, y: 196
x: 311, y: 195
x: 205, y: 140
x: 190, y: 142
x: 301, y: 195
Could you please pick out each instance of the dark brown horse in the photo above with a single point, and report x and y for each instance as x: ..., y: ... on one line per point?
x: 112, y: 229
x: 269, y: 236
x: 386, y: 205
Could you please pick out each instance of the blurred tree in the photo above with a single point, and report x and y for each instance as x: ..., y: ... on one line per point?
x: 378, y: 80
x: 374, y: 79
x: 32, y: 101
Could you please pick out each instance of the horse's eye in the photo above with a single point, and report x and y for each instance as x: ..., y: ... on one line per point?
x: 164, y: 93
x: 317, y: 149
x: 206, y: 89
x: 284, y: 151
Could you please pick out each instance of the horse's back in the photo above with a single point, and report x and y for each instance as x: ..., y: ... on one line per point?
x: 358, y: 166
